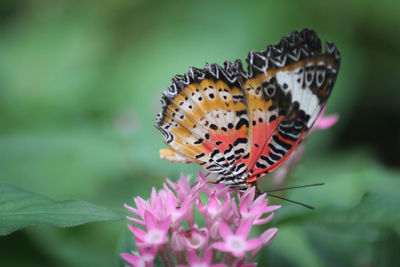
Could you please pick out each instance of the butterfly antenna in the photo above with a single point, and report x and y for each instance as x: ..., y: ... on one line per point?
x: 293, y: 187
x: 292, y: 201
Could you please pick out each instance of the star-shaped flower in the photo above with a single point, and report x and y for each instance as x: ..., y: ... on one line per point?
x: 237, y: 243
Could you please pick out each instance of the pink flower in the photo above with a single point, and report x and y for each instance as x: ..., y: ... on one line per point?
x: 237, y: 243
x: 267, y: 237
x: 219, y: 190
x: 325, y: 122
x: 156, y: 234
x: 251, y: 207
x: 145, y: 258
x: 172, y: 235
x: 194, y: 238
x: 214, y: 208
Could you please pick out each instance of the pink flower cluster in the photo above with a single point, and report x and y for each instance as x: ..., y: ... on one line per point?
x: 166, y: 226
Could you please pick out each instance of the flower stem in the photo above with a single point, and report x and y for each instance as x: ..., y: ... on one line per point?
x: 180, y: 257
x: 168, y: 251
x: 229, y: 259
x: 163, y: 258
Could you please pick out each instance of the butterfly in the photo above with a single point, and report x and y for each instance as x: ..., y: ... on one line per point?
x: 240, y: 126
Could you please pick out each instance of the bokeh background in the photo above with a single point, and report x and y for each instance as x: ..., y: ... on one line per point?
x: 80, y: 83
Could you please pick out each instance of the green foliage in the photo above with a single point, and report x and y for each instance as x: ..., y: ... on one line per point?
x: 356, y: 210
x: 20, y: 208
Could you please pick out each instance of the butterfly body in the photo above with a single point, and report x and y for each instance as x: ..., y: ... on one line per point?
x: 241, y: 125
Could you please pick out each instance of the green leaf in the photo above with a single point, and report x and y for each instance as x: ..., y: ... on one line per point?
x: 20, y: 208
x: 292, y: 248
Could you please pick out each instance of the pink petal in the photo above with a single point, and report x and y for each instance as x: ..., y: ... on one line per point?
x: 238, y: 253
x: 178, y: 241
x: 134, y: 220
x: 214, y: 230
x: 171, y: 184
x: 224, y: 230
x: 132, y: 259
x: 184, y: 183
x: 261, y: 200
x: 272, y: 208
x: 269, y: 235
x: 147, y: 254
x: 153, y: 196
x: 149, y: 220
x: 165, y: 224
x: 254, y: 243
x: 192, y: 257
x: 207, y: 256
x: 196, y: 239
x: 202, y: 176
x: 132, y: 210
x: 171, y: 202
x: 264, y: 220
x: 326, y: 122
x: 202, y: 208
x: 244, y: 228
x: 243, y: 205
x: 213, y: 206
x: 221, y: 246
x: 251, y: 193
x: 137, y: 232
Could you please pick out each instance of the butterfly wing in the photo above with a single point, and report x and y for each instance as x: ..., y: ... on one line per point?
x: 295, y: 79
x: 240, y: 125
x: 204, y: 119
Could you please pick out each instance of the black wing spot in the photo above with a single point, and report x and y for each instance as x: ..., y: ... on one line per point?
x: 272, y: 118
x: 214, y: 127
x: 198, y: 142
x: 239, y: 151
x: 199, y: 155
x: 242, y: 122
x: 240, y: 141
x: 260, y: 165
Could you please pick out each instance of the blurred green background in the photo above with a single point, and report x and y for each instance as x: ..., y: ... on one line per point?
x: 80, y: 83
